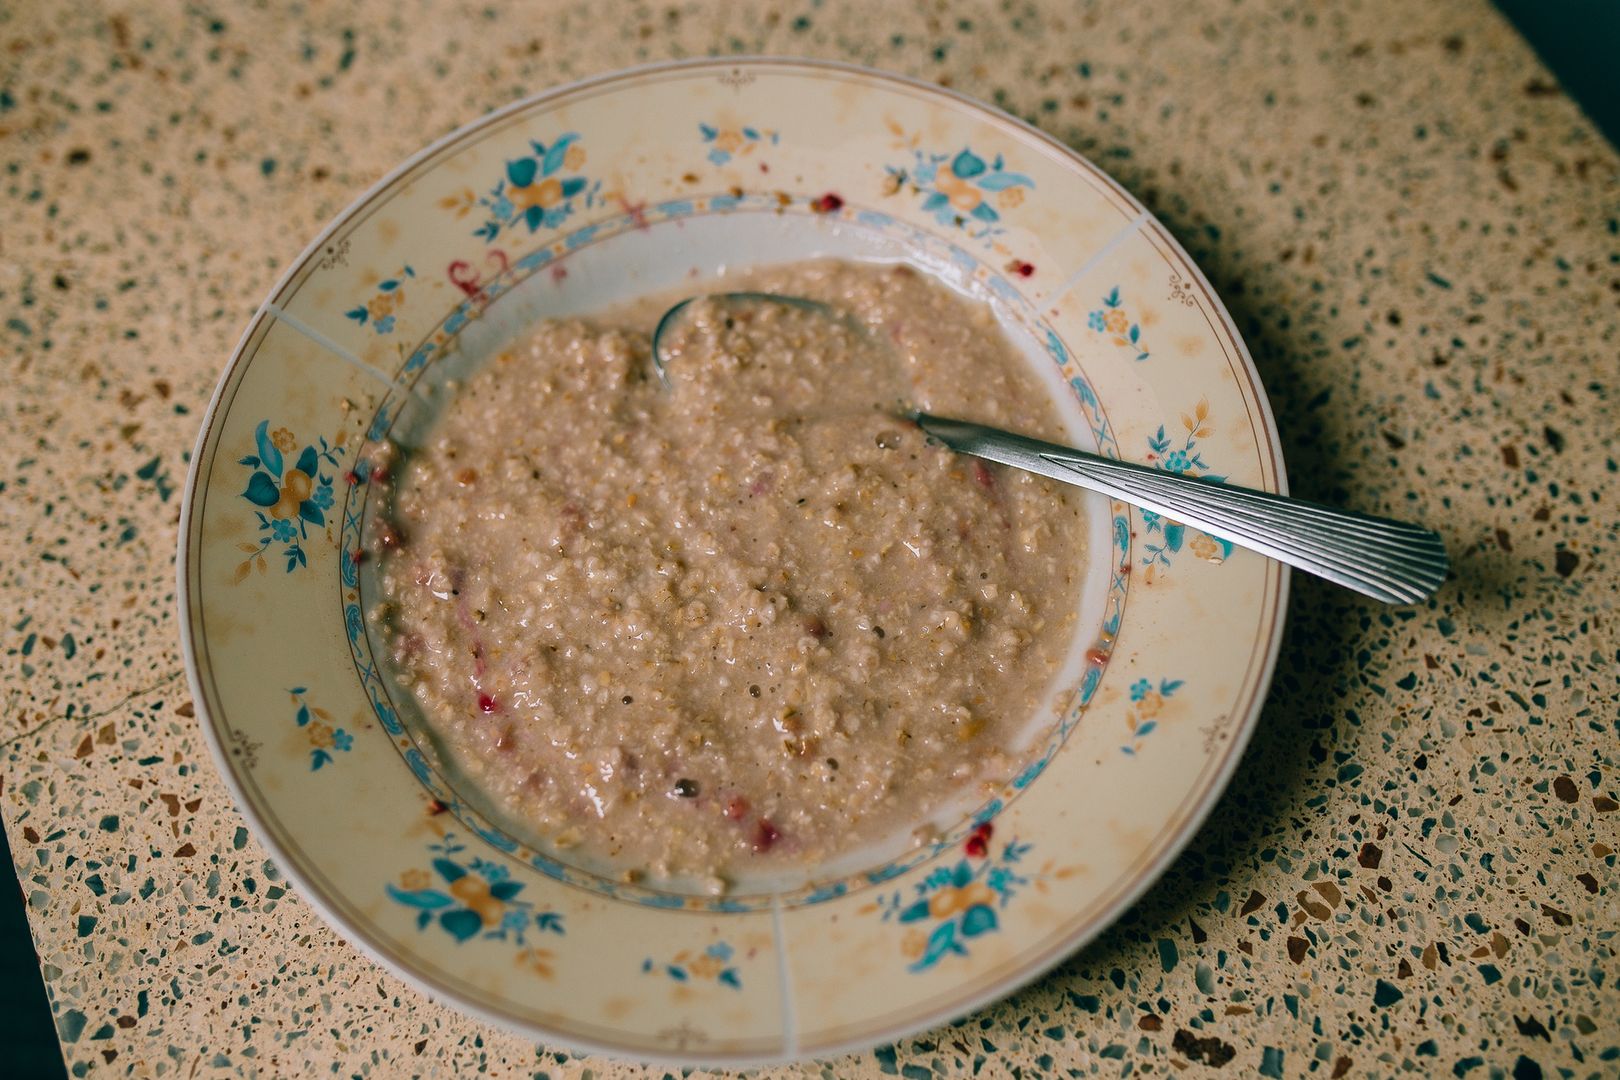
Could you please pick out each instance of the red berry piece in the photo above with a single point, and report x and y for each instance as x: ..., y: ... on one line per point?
x: 765, y: 835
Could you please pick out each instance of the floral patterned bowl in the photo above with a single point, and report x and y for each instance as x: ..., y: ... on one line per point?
x: 587, y: 195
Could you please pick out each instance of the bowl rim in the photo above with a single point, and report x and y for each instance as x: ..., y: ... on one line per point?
x: 1171, y: 845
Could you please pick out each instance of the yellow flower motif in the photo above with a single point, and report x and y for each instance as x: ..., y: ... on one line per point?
x: 473, y: 891
x: 1116, y: 321
x: 913, y: 944
x: 574, y: 156
x: 295, y: 488
x: 383, y: 304
x: 975, y: 894
x: 1010, y: 197
x: 283, y: 440
x: 947, y: 902
x: 544, y: 194
x: 1205, y: 548
x: 320, y: 735
x: 1149, y: 706
x: 705, y: 966
x: 729, y: 140
x: 415, y: 879
x: 963, y: 195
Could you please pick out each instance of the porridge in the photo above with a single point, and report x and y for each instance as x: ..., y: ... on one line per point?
x: 749, y: 619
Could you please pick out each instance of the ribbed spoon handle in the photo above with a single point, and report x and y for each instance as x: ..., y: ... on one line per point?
x: 1389, y: 560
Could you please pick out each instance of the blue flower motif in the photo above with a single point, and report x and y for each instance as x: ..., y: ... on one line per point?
x: 384, y: 325
x: 515, y: 921
x: 1176, y: 461
x: 282, y: 529
x: 322, y: 497
x: 502, y: 207
x: 719, y: 950
x: 491, y: 871
x: 959, y: 191
x: 1096, y: 321
x: 1150, y: 519
x: 342, y: 740
x: 1140, y: 689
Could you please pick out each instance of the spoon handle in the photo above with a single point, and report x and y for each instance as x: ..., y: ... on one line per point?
x: 1389, y: 560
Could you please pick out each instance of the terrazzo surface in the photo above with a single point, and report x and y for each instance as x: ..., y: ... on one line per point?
x: 1417, y: 232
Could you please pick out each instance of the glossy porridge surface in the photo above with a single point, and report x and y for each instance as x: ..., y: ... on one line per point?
x: 747, y: 620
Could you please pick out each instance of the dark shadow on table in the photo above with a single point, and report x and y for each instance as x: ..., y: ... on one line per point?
x: 27, y: 1032
x: 1288, y: 760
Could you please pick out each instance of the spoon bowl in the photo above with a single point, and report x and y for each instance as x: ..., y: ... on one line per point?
x: 668, y: 319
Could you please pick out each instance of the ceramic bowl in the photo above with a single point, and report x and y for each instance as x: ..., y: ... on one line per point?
x: 641, y: 181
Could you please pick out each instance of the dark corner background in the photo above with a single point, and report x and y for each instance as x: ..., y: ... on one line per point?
x: 1579, y: 40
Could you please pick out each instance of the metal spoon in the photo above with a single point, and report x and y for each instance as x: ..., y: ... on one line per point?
x: 1389, y: 560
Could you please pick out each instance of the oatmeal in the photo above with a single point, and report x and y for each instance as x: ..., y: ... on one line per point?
x: 749, y: 619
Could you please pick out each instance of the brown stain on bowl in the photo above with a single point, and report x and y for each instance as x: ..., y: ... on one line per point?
x: 223, y: 627
x: 1131, y: 839
x: 617, y: 1008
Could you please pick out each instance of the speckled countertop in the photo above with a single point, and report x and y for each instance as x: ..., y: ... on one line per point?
x: 1418, y: 234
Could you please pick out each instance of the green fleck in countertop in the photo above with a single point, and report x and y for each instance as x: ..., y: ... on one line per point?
x: 1416, y: 231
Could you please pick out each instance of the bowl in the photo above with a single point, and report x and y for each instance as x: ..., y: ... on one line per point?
x: 647, y: 180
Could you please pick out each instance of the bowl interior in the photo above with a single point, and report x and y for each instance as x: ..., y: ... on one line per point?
x: 690, y: 255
